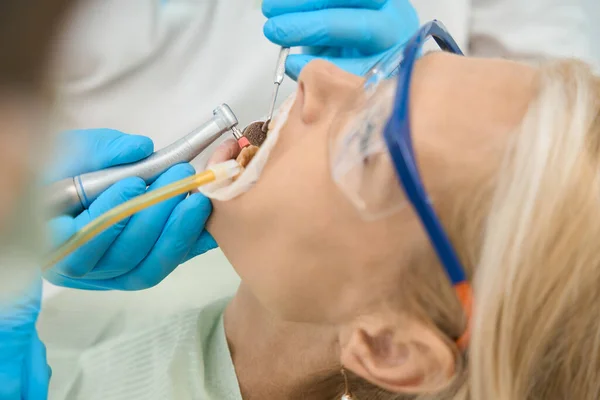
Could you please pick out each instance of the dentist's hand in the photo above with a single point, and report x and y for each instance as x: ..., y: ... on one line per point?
x: 353, y: 34
x: 141, y: 251
x: 24, y: 373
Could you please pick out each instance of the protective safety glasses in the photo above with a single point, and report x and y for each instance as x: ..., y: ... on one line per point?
x: 374, y: 144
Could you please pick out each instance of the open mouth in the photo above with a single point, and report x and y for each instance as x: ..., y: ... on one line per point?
x: 251, y: 158
x: 245, y: 156
x: 256, y: 134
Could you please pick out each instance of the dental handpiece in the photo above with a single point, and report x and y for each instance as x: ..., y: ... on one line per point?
x: 277, y: 80
x: 72, y: 195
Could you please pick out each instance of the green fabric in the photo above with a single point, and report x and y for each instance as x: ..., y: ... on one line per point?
x: 185, y: 356
x: 163, y: 343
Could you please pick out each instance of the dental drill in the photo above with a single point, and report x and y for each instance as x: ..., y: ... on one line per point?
x: 213, y: 174
x: 72, y: 195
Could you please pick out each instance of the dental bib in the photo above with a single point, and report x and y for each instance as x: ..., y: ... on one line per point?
x: 225, y: 191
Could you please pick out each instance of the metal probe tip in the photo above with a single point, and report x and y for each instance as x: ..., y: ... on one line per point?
x: 277, y: 80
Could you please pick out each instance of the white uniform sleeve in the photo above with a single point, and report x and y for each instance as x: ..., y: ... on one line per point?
x: 526, y: 29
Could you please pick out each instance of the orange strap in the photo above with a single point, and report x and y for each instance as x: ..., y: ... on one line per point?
x: 465, y: 296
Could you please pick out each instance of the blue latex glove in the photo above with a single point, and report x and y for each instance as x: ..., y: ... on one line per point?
x: 353, y: 34
x: 24, y: 373
x: 141, y: 251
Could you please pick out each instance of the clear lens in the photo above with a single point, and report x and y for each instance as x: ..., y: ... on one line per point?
x: 360, y: 162
x: 386, y: 68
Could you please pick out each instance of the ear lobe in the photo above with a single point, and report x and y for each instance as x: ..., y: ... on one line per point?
x: 411, y: 358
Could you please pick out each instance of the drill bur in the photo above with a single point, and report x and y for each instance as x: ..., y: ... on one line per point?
x: 255, y: 134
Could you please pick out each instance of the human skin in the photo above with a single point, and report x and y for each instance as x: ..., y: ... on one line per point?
x: 316, y: 276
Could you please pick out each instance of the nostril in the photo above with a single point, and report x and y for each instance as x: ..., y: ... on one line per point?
x: 322, y: 88
x: 301, y: 96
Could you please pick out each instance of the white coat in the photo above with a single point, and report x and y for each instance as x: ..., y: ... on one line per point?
x: 158, y: 67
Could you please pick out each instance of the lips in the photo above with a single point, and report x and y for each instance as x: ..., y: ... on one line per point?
x: 254, y: 162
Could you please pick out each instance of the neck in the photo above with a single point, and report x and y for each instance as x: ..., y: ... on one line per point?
x: 275, y: 359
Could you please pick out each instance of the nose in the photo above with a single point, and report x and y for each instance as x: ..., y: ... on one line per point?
x: 325, y: 89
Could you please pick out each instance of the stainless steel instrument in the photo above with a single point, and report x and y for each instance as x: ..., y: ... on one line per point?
x: 72, y: 195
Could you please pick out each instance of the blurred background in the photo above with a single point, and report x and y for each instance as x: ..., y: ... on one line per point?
x: 593, y: 7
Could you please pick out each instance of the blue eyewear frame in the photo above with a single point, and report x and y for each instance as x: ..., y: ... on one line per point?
x: 397, y: 135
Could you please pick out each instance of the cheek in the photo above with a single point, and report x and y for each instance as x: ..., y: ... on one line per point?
x: 294, y: 239
x: 299, y: 185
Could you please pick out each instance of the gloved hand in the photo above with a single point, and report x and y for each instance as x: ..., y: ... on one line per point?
x: 139, y: 252
x: 24, y: 373
x: 353, y: 34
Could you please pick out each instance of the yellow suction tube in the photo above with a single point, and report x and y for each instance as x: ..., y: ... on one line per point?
x: 215, y: 173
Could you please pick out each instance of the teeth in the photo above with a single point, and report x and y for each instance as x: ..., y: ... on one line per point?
x: 244, y: 158
x: 246, y: 155
x: 248, y: 178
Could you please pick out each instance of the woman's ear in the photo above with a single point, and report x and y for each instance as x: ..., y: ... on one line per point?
x: 403, y: 357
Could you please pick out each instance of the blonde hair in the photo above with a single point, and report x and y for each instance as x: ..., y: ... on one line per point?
x: 531, y: 234
x: 532, y: 231
x: 537, y: 323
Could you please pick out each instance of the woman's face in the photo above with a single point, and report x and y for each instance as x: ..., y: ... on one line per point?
x: 296, y: 241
